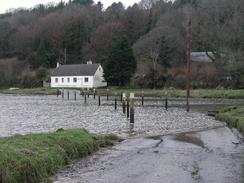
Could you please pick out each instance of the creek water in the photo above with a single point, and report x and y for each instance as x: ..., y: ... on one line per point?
x: 34, y: 114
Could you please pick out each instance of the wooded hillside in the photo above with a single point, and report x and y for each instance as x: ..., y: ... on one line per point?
x: 152, y: 35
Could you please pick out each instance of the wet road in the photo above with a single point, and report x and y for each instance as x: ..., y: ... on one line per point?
x: 213, y: 156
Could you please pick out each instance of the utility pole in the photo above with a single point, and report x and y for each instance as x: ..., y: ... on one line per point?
x: 65, y: 55
x: 188, y: 69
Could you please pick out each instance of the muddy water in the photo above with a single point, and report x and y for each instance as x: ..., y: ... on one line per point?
x: 213, y: 156
x: 33, y: 114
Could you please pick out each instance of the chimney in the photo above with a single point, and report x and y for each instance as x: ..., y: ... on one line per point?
x: 58, y: 64
x: 89, y: 62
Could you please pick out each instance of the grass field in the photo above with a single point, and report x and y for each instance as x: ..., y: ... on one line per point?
x: 233, y: 116
x: 197, y: 93
x: 35, y: 157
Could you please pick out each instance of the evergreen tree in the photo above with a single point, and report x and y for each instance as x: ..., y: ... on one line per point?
x: 165, y: 53
x: 83, y: 2
x: 74, y: 41
x: 45, y: 56
x: 121, y: 64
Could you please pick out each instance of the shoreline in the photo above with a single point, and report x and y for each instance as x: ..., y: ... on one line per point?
x: 177, y: 93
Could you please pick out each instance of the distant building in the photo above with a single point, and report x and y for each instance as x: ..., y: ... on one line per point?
x: 203, y: 71
x: 78, y: 76
x: 202, y: 57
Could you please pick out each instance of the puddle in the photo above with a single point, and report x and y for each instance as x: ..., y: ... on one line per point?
x: 188, y: 138
x: 157, y: 137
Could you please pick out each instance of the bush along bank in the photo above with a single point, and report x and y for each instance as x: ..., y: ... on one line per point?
x: 233, y: 116
x: 35, y: 157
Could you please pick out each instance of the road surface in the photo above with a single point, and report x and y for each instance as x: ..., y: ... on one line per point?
x: 213, y: 156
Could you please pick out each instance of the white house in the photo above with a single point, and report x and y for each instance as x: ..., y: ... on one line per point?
x: 78, y: 76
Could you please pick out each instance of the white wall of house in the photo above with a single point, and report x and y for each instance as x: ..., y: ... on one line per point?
x: 72, y: 82
x: 99, y: 80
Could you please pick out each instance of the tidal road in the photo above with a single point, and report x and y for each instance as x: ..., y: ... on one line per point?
x: 212, y: 156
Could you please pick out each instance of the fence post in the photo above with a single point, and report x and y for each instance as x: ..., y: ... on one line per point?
x: 107, y: 95
x: 75, y: 95
x: 121, y: 97
x: 63, y: 94
x: 85, y: 98
x: 57, y: 93
x: 128, y: 107
x: 115, y: 103
x: 68, y: 95
x: 99, y: 100
x: 142, y: 100
x: 166, y: 103
x: 124, y: 100
x: 132, y: 106
x: 94, y: 93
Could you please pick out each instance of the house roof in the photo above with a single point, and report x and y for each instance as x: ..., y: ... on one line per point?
x: 202, y: 57
x: 76, y: 70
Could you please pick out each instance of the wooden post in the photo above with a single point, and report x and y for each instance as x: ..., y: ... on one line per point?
x: 94, y: 93
x: 128, y: 108
x: 124, y: 100
x: 68, y: 95
x: 115, y: 103
x: 121, y: 97
x: 132, y: 110
x: 75, y: 95
x: 166, y: 103
x: 99, y: 100
x: 107, y: 95
x: 63, y: 94
x: 57, y: 93
x: 142, y: 100
x: 85, y: 98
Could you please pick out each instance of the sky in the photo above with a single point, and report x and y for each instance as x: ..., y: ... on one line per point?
x: 10, y: 4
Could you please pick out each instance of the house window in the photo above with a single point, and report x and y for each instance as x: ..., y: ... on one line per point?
x: 75, y: 80
x: 62, y: 80
x: 56, y: 80
x: 86, y: 80
x: 68, y: 80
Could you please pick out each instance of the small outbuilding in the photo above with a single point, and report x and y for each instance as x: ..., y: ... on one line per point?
x: 78, y: 76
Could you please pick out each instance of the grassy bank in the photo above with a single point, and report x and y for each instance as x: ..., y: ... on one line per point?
x: 33, y: 158
x: 234, y: 116
x: 30, y: 91
x: 197, y: 93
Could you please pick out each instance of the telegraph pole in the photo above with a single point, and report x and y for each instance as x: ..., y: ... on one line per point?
x: 65, y: 56
x: 188, y: 68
